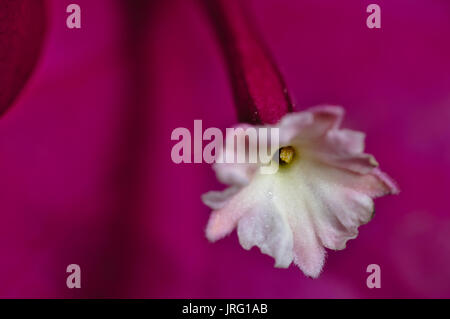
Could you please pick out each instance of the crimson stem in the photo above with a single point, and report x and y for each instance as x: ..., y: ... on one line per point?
x: 260, y: 94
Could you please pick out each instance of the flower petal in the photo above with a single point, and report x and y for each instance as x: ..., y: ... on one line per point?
x: 294, y: 198
x: 218, y: 199
x: 235, y: 173
x: 293, y: 123
x: 330, y: 116
x: 229, y: 209
x: 309, y: 255
x: 344, y: 149
x: 344, y: 141
x: 266, y: 228
x: 309, y: 125
x: 340, y: 201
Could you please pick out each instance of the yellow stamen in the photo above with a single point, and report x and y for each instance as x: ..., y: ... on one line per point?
x: 287, y: 154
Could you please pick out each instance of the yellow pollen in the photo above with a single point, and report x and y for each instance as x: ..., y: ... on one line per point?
x: 287, y: 154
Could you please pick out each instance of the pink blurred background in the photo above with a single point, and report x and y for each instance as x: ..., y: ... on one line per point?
x: 87, y: 177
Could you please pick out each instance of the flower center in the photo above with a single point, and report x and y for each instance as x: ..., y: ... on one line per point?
x: 286, y: 154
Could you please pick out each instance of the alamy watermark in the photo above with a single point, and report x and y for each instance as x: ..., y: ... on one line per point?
x: 241, y: 145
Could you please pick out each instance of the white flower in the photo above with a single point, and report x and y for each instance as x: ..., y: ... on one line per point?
x: 318, y: 198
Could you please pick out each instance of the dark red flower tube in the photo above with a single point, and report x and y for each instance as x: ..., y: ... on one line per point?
x: 22, y: 27
x: 259, y: 90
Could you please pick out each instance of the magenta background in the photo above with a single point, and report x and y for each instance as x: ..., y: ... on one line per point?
x: 87, y: 178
